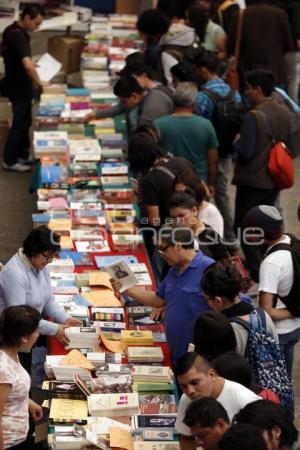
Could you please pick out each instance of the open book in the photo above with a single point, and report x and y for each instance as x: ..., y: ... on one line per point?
x: 121, y: 271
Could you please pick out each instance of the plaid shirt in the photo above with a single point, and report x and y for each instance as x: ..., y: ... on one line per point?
x: 204, y: 104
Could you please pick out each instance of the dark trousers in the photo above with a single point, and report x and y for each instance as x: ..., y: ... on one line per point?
x: 18, y: 142
x: 246, y: 199
x: 26, y: 445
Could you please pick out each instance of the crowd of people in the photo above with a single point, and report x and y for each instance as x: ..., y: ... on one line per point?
x: 189, y: 127
x: 233, y: 357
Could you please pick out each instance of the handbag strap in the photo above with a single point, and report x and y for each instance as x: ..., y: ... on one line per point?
x: 238, y: 39
x: 166, y: 171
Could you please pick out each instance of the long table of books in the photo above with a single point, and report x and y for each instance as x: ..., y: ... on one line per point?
x: 113, y: 385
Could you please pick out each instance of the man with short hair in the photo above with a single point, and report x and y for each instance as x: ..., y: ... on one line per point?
x: 180, y: 291
x: 265, y: 38
x: 254, y: 184
x: 243, y: 436
x: 150, y: 101
x: 278, y: 430
x: 213, y: 91
x: 197, y: 379
x: 276, y: 276
x: 208, y: 421
x: 185, y: 134
x: 20, y: 78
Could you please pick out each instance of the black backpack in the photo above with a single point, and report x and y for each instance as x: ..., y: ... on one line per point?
x: 182, y: 53
x: 292, y: 300
x: 227, y: 119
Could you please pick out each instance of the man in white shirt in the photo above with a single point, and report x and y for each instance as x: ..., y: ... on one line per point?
x: 198, y: 379
x: 276, y: 277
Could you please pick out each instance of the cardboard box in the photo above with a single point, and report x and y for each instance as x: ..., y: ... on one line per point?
x: 128, y: 7
x: 67, y: 50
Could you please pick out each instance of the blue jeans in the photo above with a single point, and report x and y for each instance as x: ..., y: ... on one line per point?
x: 287, y: 343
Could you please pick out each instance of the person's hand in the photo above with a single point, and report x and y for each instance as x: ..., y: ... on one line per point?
x: 116, y: 285
x: 237, y: 138
x: 72, y: 322
x: 158, y: 313
x: 89, y: 117
x: 35, y: 410
x: 61, y: 335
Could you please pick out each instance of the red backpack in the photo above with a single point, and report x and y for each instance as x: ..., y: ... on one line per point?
x: 280, y: 163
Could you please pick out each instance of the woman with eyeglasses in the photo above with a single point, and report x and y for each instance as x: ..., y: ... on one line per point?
x: 25, y: 280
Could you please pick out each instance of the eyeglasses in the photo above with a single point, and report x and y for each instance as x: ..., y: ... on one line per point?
x: 163, y: 249
x: 48, y: 257
x: 207, y: 299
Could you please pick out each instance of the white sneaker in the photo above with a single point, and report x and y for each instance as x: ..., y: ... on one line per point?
x: 27, y: 162
x: 16, y: 167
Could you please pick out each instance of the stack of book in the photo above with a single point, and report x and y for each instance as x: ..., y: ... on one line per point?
x: 83, y: 337
x: 108, y: 405
x: 54, y: 369
x: 107, y: 384
x: 152, y: 374
x: 101, y: 359
x: 135, y: 337
x: 145, y: 354
x: 50, y: 142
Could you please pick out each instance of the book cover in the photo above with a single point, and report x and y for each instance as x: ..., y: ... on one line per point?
x: 157, y: 404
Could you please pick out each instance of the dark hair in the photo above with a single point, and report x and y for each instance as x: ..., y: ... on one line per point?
x: 184, y: 71
x: 143, y: 151
x: 33, y: 10
x: 182, y: 200
x: 153, y: 23
x: 39, y: 240
x: 266, y: 415
x: 243, y: 436
x: 149, y: 130
x: 174, y: 8
x: 205, y: 411
x: 173, y: 233
x: 198, y: 17
x: 221, y: 281
x: 126, y: 86
x: 213, y: 335
x: 261, y: 78
x: 209, y: 60
x: 194, y: 185
x: 186, y: 362
x: 16, y: 322
x: 136, y: 65
x: 234, y: 367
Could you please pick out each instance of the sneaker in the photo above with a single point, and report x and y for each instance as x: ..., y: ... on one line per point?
x: 27, y: 162
x: 16, y: 167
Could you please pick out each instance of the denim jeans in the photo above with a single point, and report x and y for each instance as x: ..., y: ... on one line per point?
x: 287, y: 343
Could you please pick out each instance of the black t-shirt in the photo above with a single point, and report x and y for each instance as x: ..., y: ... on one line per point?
x: 238, y: 309
x: 157, y: 185
x: 15, y: 47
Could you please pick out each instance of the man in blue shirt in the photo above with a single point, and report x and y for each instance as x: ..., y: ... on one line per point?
x: 214, y: 87
x: 181, y: 291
